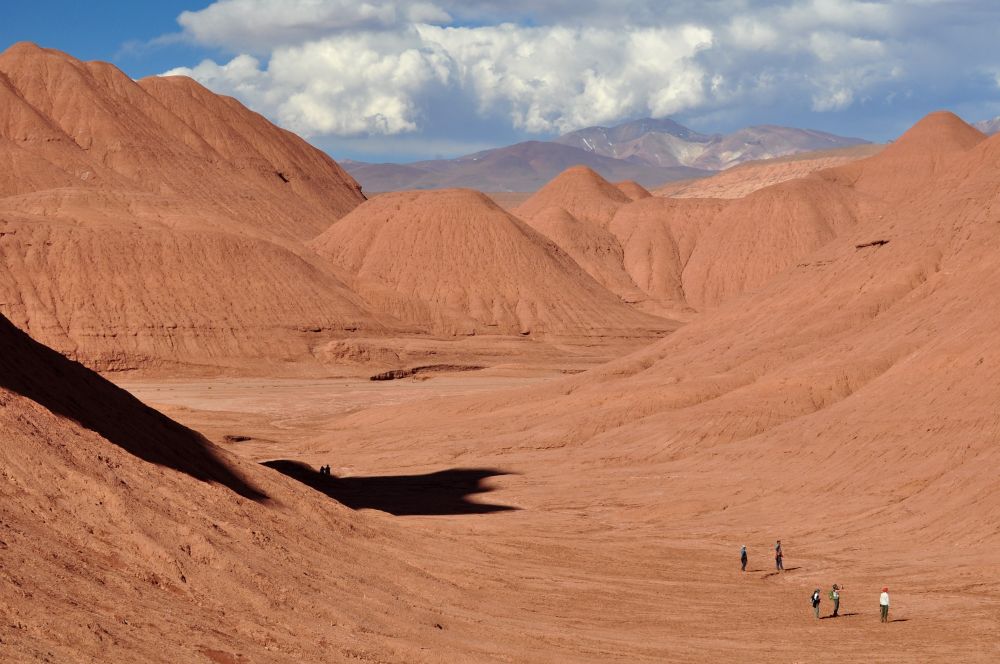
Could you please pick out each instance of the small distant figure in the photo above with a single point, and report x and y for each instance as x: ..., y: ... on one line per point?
x: 324, y: 470
x: 778, y: 557
x: 883, y: 605
x: 743, y: 558
x: 815, y: 602
x: 835, y: 596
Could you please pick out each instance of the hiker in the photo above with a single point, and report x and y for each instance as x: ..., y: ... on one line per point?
x: 743, y: 557
x: 883, y: 605
x: 815, y: 602
x: 835, y: 596
x: 778, y: 557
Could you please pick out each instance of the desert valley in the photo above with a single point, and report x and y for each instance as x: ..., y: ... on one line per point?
x: 551, y: 417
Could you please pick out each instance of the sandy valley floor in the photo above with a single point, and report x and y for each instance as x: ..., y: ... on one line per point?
x: 581, y: 570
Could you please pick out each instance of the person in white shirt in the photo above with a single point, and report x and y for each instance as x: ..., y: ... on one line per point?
x: 883, y: 605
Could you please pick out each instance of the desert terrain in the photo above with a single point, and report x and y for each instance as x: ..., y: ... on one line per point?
x: 551, y: 420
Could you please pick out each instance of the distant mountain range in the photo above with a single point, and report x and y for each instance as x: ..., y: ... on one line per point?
x: 989, y: 126
x: 651, y: 152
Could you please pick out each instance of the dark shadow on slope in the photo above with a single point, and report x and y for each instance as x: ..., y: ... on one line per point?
x: 73, y: 391
x: 440, y: 493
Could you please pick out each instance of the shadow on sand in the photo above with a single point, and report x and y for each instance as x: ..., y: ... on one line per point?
x: 74, y: 392
x: 842, y: 615
x: 776, y: 573
x: 434, y: 494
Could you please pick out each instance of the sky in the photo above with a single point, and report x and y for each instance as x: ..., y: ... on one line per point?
x: 402, y: 80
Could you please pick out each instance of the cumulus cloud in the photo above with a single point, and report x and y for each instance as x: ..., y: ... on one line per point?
x: 344, y: 85
x: 557, y: 78
x: 391, y: 67
x: 542, y: 79
x: 264, y: 24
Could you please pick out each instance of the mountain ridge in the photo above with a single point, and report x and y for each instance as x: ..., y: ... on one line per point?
x: 649, y: 151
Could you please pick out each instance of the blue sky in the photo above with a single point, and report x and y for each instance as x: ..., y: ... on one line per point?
x: 115, y: 31
x: 409, y: 79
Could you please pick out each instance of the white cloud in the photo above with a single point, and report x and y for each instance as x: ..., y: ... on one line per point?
x: 834, y: 47
x: 749, y: 32
x: 557, y: 78
x: 263, y: 24
x: 389, y: 67
x: 345, y: 85
x: 843, y: 14
x: 833, y: 99
x: 542, y: 79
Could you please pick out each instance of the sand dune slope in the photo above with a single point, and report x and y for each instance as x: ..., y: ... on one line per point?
x: 459, y: 252
x: 915, y: 161
x: 573, y: 211
x: 593, y: 247
x: 754, y: 238
x: 169, y: 137
x: 131, y: 298
x: 657, y: 237
x: 581, y: 192
x: 746, y: 178
x: 633, y: 189
x: 153, y: 223
x: 744, y: 243
x: 126, y: 537
x: 860, y: 382
x: 847, y: 406
x: 728, y: 246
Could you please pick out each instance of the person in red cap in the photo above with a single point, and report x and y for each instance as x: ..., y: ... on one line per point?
x: 883, y: 605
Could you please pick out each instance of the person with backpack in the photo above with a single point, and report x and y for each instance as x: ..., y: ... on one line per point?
x: 778, y: 557
x: 815, y: 602
x: 883, y: 605
x: 743, y: 557
x: 835, y: 596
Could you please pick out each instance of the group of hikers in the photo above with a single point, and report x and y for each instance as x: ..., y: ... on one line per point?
x: 324, y: 470
x: 815, y: 599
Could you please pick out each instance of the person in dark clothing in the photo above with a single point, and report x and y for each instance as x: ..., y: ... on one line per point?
x: 778, y: 557
x: 815, y: 602
x: 743, y: 558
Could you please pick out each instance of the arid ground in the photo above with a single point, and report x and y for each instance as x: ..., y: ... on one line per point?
x: 600, y: 563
